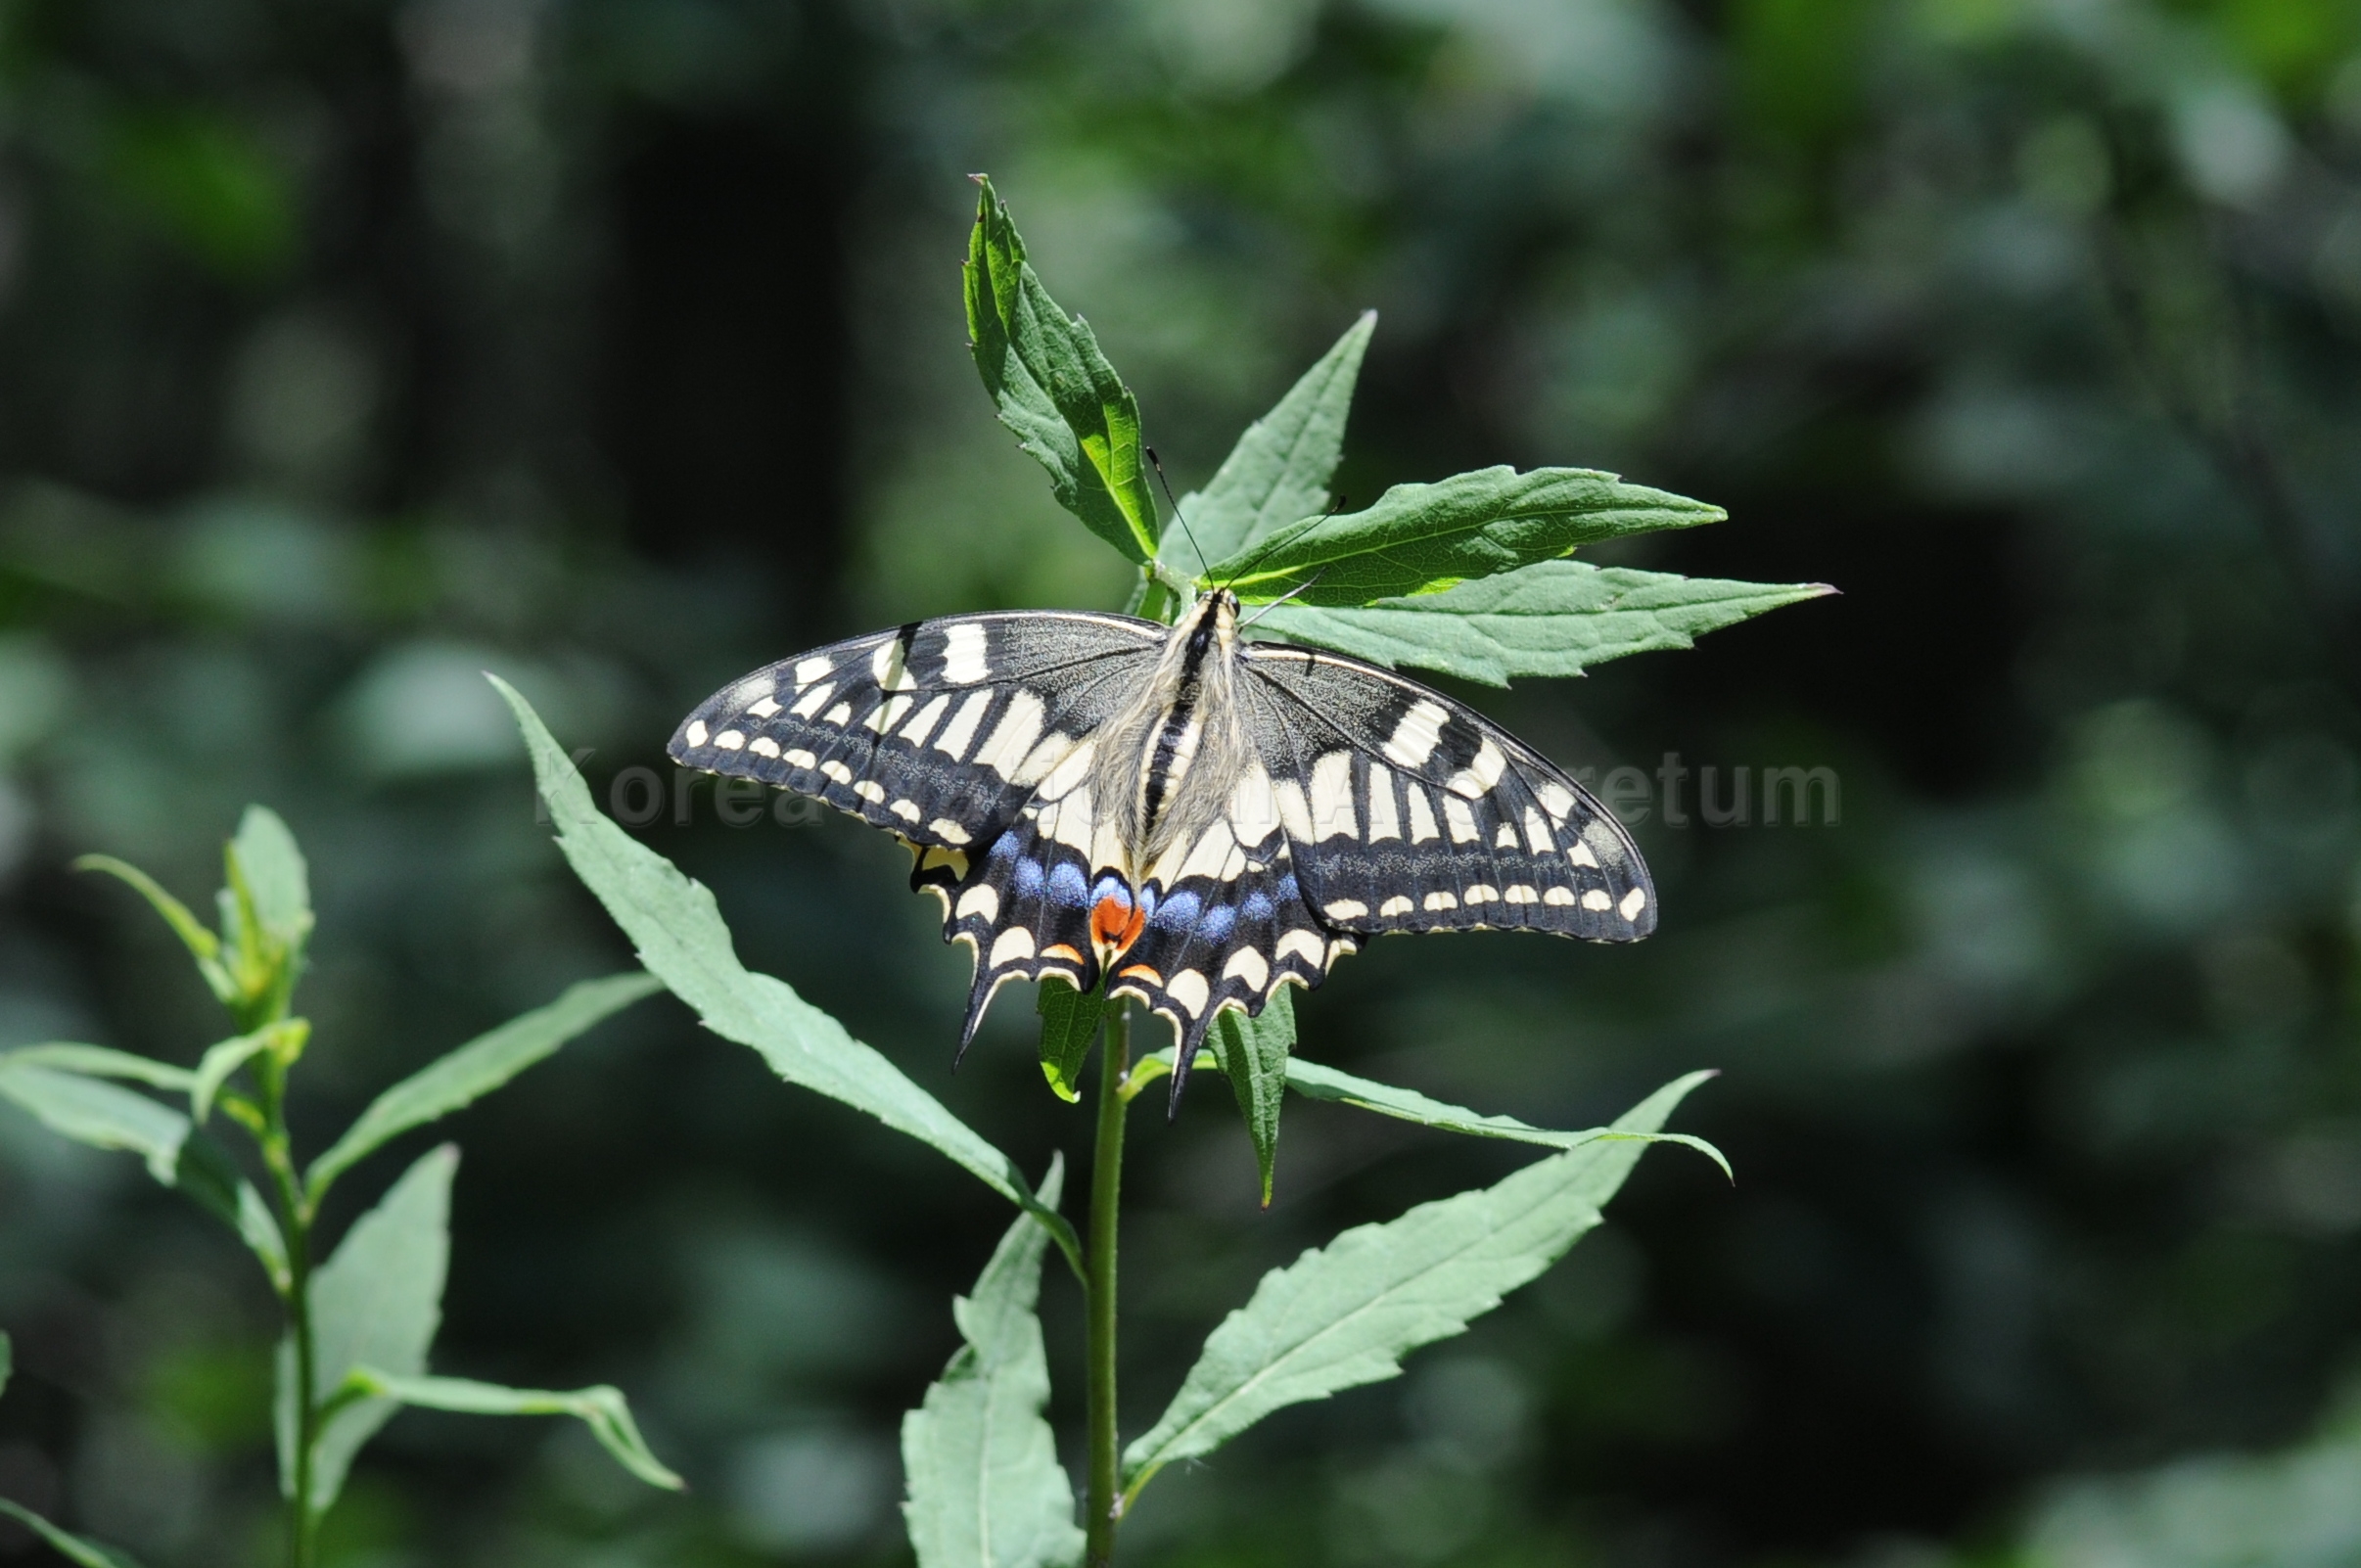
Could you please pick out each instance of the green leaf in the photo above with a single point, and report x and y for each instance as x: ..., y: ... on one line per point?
x: 1554, y: 618
x: 476, y: 1069
x: 1279, y: 470
x: 678, y: 933
x: 1328, y: 1083
x: 99, y: 1061
x: 1422, y: 538
x: 266, y: 859
x: 602, y: 1408
x: 206, y: 1173
x: 1056, y: 389
x: 1344, y: 1314
x: 1254, y: 1054
x: 376, y: 1304
x: 98, y: 1113
x: 73, y: 1548
x: 986, y: 1489
x: 1069, y: 1025
x: 202, y: 944
x: 214, y: 1068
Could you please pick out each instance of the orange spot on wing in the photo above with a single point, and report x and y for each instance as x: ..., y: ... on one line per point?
x: 1116, y: 924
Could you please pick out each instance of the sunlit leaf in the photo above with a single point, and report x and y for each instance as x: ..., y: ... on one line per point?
x: 986, y: 1489
x: 1056, y: 389
x: 376, y: 1303
x: 1328, y: 1083
x: 1420, y: 538
x: 100, y: 1061
x: 1069, y: 1024
x: 476, y: 1069
x: 602, y: 1408
x: 1254, y: 1054
x: 678, y: 933
x: 1554, y: 618
x: 1279, y: 472
x: 1345, y: 1314
x: 73, y: 1548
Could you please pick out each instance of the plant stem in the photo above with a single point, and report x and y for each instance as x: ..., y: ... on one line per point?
x: 1102, y: 1513
x: 295, y: 1218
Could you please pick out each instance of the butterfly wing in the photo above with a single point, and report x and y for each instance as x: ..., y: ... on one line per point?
x: 937, y: 730
x: 1408, y: 811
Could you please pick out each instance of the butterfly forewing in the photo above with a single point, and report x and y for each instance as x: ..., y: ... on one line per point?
x: 937, y: 730
x: 1414, y: 812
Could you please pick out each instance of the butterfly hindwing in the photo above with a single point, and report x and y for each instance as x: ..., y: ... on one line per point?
x: 1408, y: 811
x: 937, y: 731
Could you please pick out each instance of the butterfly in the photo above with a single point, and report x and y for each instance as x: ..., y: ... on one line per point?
x: 1194, y: 817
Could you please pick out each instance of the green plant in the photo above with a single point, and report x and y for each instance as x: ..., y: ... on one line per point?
x: 1469, y: 578
x: 359, y: 1322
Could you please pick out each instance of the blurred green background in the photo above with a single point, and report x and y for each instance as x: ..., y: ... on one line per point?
x: 348, y: 349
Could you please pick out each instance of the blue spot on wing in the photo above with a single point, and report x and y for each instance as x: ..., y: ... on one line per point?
x: 1216, y: 921
x: 1178, y: 912
x: 1258, y: 906
x: 1067, y: 887
x: 1027, y: 878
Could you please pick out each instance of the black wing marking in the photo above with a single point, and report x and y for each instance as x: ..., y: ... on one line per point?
x: 1022, y: 905
x: 937, y: 730
x: 1408, y: 811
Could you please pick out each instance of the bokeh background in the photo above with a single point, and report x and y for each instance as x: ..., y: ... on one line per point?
x: 349, y: 348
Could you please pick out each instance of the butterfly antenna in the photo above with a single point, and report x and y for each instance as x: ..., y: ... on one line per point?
x: 1304, y: 586
x: 1334, y: 507
x: 1157, y: 464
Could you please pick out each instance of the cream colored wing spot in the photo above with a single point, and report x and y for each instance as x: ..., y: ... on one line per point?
x: 1580, y: 854
x: 908, y: 810
x: 799, y: 758
x: 1332, y: 814
x: 1248, y: 965
x: 1417, y: 735
x: 1253, y: 808
x: 1480, y: 892
x: 982, y: 900
x: 1295, y: 813
x: 949, y: 831
x: 963, y: 661
x: 1503, y: 837
x: 810, y: 703
x: 1538, y: 837
x: 1303, y: 942
x: 923, y: 724
x: 1557, y: 800
x: 1559, y: 896
x: 1479, y: 775
x: 729, y: 740
x: 1597, y: 899
x: 696, y: 732
x: 1396, y: 906
x: 1633, y: 902
x: 1190, y: 990
x: 1519, y: 892
x: 1013, y: 946
x: 953, y: 741
x: 870, y: 791
x: 763, y: 746
x: 839, y: 716
x: 1462, y: 819
x: 1384, y: 821
x: 762, y: 707
x: 1421, y: 816
x: 1438, y: 901
x: 1013, y: 736
x: 1345, y: 909
x: 809, y: 671
x: 837, y: 771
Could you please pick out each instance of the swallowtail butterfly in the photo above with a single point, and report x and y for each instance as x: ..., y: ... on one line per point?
x: 1197, y: 818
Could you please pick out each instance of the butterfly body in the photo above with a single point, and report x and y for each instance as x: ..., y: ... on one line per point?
x: 1189, y: 816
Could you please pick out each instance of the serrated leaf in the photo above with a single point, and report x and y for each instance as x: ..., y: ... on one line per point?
x: 376, y: 1303
x: 100, y: 1061
x: 1056, y: 389
x: 1344, y: 1314
x: 1254, y: 1053
x: 92, y: 1111
x: 202, y: 944
x: 985, y: 1488
x: 1554, y: 618
x: 1318, y: 1082
x: 1422, y: 538
x: 73, y: 1548
x: 678, y: 933
x: 1069, y: 1024
x: 476, y: 1069
x: 602, y: 1408
x: 1279, y: 472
